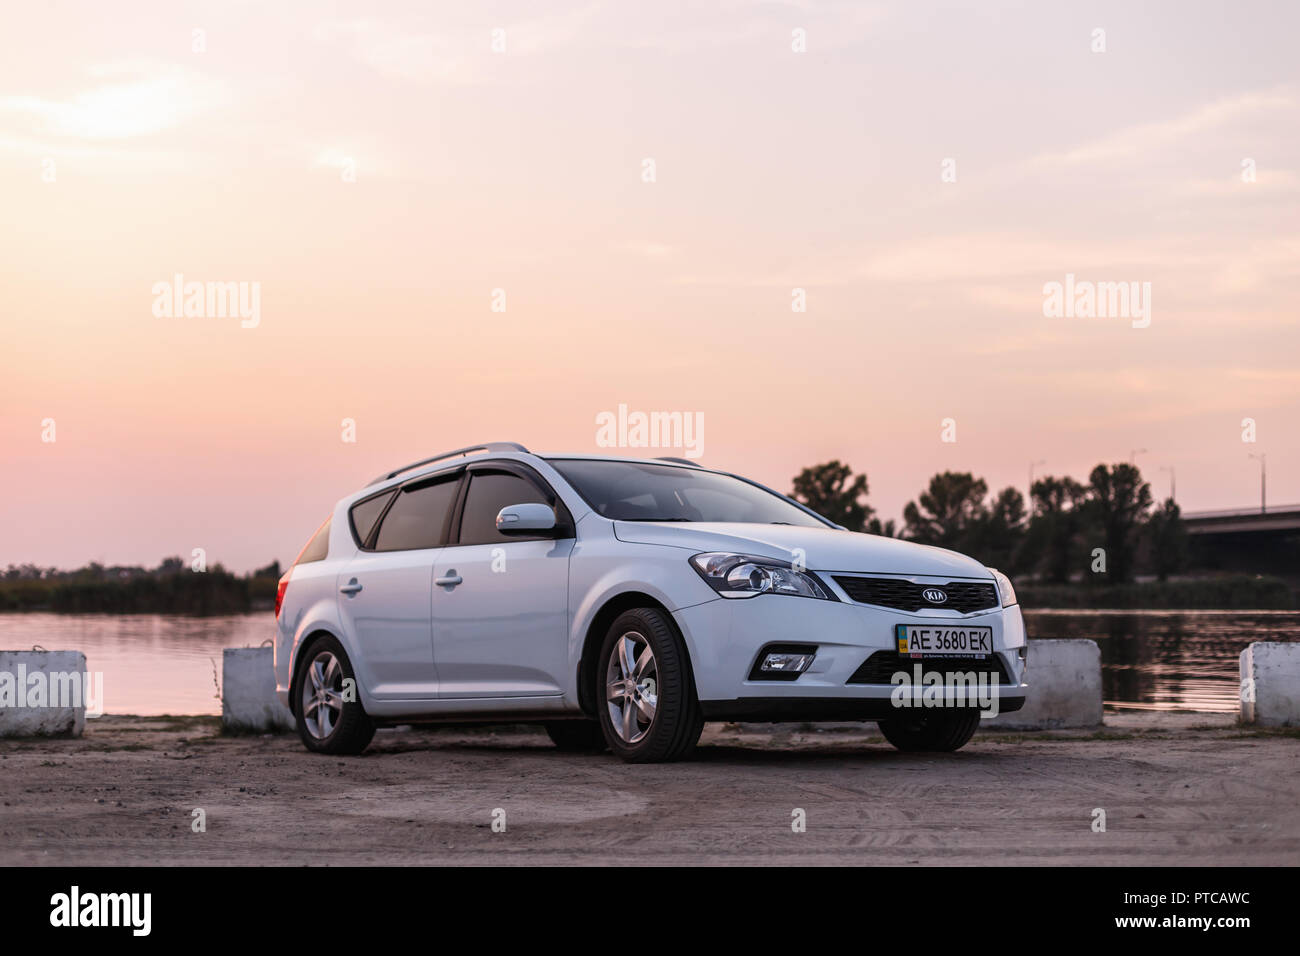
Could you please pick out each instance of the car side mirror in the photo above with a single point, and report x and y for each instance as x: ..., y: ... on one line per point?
x: 532, y: 518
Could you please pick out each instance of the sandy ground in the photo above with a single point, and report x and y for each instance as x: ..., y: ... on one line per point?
x: 1177, y: 789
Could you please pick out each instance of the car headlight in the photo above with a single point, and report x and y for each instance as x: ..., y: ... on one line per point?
x: 1007, y: 592
x: 743, y: 576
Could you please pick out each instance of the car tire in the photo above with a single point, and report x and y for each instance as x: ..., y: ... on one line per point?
x: 647, y: 706
x: 327, y: 723
x: 577, y: 736
x: 936, y: 732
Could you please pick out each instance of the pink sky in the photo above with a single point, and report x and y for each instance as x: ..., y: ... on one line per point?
x: 522, y: 170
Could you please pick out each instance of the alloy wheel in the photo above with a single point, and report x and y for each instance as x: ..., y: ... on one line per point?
x: 322, y: 695
x: 631, y: 687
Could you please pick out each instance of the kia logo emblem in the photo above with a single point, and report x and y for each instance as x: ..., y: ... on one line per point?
x: 934, y: 595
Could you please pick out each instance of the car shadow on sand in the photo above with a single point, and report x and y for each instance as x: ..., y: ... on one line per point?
x: 720, y: 753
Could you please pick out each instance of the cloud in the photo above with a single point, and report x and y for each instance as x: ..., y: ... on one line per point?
x: 392, y: 52
x: 1270, y: 180
x: 1131, y: 395
x: 456, y: 53
x: 978, y: 256
x: 1143, y: 140
x: 650, y: 250
x: 829, y: 26
x: 1256, y: 265
x: 357, y: 163
x: 133, y: 99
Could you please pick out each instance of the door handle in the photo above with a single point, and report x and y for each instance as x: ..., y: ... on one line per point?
x: 351, y: 587
x: 450, y: 579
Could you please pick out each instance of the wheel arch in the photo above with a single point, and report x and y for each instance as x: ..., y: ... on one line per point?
x: 595, y: 636
x: 308, y: 641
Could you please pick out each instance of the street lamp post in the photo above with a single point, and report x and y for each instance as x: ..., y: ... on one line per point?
x: 1262, y: 474
x: 1173, y: 482
x: 1029, y: 500
x: 1133, y: 456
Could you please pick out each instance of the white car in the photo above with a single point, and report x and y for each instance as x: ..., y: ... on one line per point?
x: 624, y: 602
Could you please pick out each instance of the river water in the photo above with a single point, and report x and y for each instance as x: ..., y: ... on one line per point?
x: 1168, y: 660
x: 1151, y: 660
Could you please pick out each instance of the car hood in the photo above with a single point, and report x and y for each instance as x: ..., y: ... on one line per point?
x: 824, y: 549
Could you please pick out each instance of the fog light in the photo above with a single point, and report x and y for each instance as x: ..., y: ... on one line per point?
x: 782, y: 661
x: 786, y: 663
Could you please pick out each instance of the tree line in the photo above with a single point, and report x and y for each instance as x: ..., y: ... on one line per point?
x: 173, y: 587
x: 1109, y: 526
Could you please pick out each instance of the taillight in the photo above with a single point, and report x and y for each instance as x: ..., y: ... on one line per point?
x: 279, y: 591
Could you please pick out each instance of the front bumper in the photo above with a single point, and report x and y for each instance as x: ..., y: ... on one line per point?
x: 726, y: 636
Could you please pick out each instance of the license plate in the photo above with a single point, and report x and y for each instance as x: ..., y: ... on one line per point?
x: 931, y: 640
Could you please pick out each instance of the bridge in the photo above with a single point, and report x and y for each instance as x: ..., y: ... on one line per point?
x: 1247, y: 541
x: 1279, y: 519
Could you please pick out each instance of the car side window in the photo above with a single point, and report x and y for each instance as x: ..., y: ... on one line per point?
x: 416, y: 517
x: 489, y: 492
x: 365, y: 513
x: 318, y: 548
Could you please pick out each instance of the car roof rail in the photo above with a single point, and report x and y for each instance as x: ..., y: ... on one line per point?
x: 486, y: 446
x: 677, y: 461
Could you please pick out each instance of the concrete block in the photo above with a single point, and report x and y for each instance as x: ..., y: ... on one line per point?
x: 1270, y: 684
x: 45, y: 693
x: 1064, y: 688
x: 248, y: 701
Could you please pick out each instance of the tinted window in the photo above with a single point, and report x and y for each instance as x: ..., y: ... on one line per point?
x: 318, y: 547
x: 415, y: 520
x: 365, y: 513
x: 489, y: 492
x: 636, y: 491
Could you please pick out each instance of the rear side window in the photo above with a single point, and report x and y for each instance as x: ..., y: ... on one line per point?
x: 488, y: 493
x: 364, y: 514
x: 318, y: 548
x: 416, y: 518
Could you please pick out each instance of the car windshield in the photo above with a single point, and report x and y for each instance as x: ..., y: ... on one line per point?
x: 642, y: 491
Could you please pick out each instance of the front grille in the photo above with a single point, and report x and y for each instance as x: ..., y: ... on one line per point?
x: 881, y: 666
x: 964, y: 596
